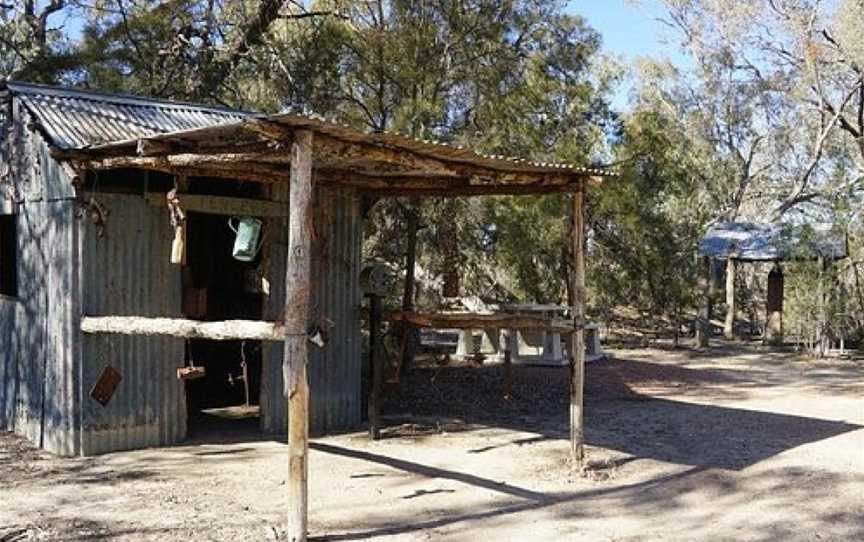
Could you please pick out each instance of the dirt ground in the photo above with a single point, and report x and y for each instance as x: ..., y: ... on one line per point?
x: 737, y: 443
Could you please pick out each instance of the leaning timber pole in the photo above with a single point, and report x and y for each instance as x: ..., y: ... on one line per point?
x: 297, y: 293
x: 577, y: 339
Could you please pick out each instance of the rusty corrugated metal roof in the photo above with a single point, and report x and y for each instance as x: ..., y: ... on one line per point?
x: 74, y: 119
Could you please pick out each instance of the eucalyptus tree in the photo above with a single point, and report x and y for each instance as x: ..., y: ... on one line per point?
x: 803, y: 61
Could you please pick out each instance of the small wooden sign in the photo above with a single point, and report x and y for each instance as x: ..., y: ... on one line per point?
x: 104, y: 388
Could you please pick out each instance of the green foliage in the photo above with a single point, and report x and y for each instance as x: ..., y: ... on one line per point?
x: 645, y: 226
x: 514, y: 78
x: 532, y: 244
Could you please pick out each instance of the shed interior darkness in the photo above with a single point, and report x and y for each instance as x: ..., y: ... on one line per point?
x: 8, y: 256
x: 218, y: 287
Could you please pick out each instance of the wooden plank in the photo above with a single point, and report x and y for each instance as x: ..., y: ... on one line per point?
x: 465, y: 320
x: 220, y: 205
x: 228, y: 163
x: 577, y: 339
x: 408, y: 182
x: 332, y: 150
x: 298, y: 289
x: 376, y: 367
x: 226, y: 330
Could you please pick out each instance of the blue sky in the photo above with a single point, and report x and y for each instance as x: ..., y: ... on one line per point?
x: 630, y: 30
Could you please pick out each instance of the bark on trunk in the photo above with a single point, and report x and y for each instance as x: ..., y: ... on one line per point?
x: 228, y: 330
x: 298, y: 288
x: 577, y: 340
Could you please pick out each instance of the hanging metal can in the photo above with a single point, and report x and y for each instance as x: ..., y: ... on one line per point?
x: 247, y: 242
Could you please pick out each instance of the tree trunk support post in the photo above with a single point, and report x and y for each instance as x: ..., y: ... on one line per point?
x: 822, y: 336
x: 774, y: 307
x: 729, y: 324
x: 577, y: 338
x: 298, y: 290
x: 508, y: 372
x: 406, y: 356
x: 376, y: 367
x: 703, y: 321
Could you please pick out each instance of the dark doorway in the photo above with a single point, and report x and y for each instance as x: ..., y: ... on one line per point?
x: 224, y: 401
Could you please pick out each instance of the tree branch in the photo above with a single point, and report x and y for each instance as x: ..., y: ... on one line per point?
x: 818, y: 147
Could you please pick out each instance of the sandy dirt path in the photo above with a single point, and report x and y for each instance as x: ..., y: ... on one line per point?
x: 734, y: 444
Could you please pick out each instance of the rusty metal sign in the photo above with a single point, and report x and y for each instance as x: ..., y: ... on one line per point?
x: 106, y: 385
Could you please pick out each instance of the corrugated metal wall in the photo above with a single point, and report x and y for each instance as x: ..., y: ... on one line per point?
x: 127, y: 273
x: 40, y: 392
x: 8, y: 357
x: 334, y: 372
x: 8, y: 363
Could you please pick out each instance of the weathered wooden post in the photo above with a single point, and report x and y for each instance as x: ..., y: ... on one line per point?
x: 703, y: 321
x: 297, y: 300
x: 577, y: 339
x: 729, y: 324
x: 376, y: 367
x: 774, y: 307
x: 508, y: 374
x: 822, y: 336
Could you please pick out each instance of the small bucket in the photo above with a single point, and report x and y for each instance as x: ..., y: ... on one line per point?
x: 247, y: 243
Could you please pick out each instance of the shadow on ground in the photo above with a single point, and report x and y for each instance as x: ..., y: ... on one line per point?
x: 618, y: 415
x: 667, y: 493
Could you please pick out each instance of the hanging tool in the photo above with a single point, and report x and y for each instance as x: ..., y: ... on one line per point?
x: 244, y: 376
x: 178, y: 222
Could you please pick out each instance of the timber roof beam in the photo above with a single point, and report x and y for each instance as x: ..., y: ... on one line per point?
x: 257, y: 149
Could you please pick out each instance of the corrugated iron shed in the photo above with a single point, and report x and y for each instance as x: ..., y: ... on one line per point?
x: 68, y: 269
x: 756, y: 241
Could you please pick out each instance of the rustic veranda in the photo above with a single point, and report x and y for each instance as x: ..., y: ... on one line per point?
x: 292, y: 158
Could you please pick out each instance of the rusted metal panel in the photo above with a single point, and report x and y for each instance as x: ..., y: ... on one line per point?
x: 7, y: 192
x: 61, y: 402
x: 39, y: 395
x: 334, y: 371
x: 28, y: 172
x: 8, y: 363
x: 30, y: 322
x: 127, y: 272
